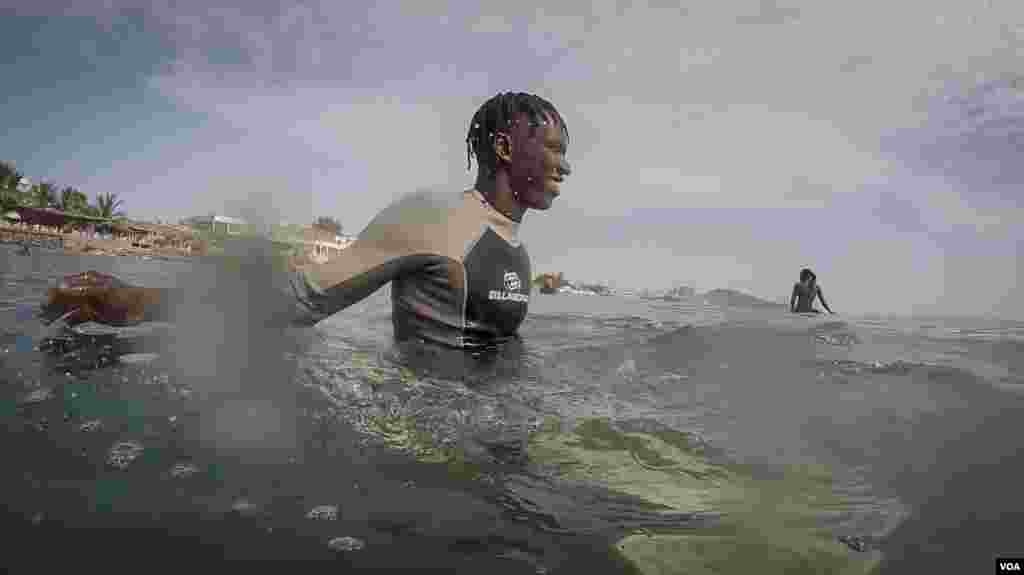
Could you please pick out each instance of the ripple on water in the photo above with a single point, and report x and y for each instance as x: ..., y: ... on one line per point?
x: 183, y: 470
x: 123, y: 453
x: 137, y: 358
x: 37, y: 396
x: 90, y: 425
x: 346, y: 544
x: 323, y: 512
x: 246, y: 508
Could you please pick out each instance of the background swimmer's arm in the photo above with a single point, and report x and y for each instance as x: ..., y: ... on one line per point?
x: 821, y: 296
x: 792, y: 298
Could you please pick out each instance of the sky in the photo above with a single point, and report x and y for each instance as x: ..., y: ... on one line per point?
x: 718, y: 145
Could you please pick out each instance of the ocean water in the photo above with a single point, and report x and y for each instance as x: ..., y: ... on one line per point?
x: 620, y: 436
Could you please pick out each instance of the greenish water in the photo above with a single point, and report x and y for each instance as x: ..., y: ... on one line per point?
x: 622, y: 436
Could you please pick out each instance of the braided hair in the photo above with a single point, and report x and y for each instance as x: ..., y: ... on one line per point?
x: 498, y: 114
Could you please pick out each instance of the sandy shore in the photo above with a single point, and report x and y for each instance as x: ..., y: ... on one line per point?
x: 92, y: 246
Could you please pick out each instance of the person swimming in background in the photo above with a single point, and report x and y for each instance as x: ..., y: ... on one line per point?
x: 804, y: 293
x: 459, y: 274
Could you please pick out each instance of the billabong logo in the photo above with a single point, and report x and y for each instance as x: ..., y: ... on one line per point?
x: 512, y: 286
x: 512, y: 281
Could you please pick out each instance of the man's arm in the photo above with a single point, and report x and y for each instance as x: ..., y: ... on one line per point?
x: 821, y: 296
x: 400, y: 240
x: 292, y: 295
x: 321, y: 290
x: 792, y: 300
x: 403, y: 238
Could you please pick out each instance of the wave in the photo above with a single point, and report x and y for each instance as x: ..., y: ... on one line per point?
x: 733, y: 298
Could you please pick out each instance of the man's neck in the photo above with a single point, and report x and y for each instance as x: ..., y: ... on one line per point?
x: 498, y: 193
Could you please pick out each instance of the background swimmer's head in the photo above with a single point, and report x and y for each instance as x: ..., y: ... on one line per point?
x: 523, y: 139
x: 807, y: 275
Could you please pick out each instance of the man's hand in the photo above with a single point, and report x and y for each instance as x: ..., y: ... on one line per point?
x: 98, y: 297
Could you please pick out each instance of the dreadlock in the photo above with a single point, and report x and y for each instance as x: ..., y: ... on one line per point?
x: 498, y: 114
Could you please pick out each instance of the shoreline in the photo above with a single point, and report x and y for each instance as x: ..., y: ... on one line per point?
x: 99, y: 247
x: 78, y: 243
x: 72, y: 245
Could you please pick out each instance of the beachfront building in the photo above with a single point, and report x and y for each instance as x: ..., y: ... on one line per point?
x: 54, y: 220
x: 71, y: 229
x: 217, y: 224
x: 146, y: 235
x: 310, y: 242
x: 320, y: 245
x: 51, y: 221
x: 31, y: 226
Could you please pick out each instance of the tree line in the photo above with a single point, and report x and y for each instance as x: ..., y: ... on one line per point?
x: 49, y: 195
x: 328, y: 224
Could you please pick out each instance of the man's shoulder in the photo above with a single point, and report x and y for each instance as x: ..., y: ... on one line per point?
x: 423, y: 207
x: 431, y: 198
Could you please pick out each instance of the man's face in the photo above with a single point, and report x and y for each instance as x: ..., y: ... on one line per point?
x: 536, y: 164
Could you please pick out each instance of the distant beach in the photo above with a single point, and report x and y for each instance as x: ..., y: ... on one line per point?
x: 79, y: 243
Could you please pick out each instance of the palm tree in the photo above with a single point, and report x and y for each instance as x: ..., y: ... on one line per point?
x: 328, y: 224
x: 44, y: 195
x: 9, y: 199
x: 12, y: 192
x: 73, y: 201
x: 9, y: 176
x: 106, y: 206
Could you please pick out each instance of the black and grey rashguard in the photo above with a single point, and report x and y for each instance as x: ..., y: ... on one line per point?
x: 459, y: 274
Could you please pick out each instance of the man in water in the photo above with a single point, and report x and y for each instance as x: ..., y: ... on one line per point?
x: 804, y: 293
x: 460, y: 277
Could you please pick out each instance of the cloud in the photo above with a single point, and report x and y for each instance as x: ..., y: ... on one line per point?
x: 826, y: 116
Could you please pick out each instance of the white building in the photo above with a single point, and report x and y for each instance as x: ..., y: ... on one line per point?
x: 215, y: 223
x: 320, y: 245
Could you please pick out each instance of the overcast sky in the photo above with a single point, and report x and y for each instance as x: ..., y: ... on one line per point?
x: 726, y: 144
